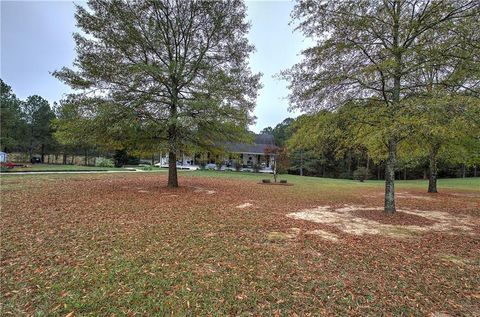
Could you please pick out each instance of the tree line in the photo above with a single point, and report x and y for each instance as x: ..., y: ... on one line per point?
x: 26, y: 124
x: 30, y: 127
x: 334, y: 144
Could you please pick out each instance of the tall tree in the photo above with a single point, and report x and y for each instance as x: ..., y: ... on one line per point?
x: 39, y: 116
x: 281, y: 132
x: 446, y: 108
x: 179, y: 67
x: 12, y: 124
x: 445, y: 126
x: 73, y: 130
x: 366, y: 50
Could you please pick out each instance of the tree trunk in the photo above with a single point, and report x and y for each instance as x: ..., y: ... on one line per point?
x: 349, y: 163
x: 172, y: 144
x: 404, y: 173
x: 43, y: 153
x: 301, y: 163
x: 64, y: 159
x: 172, y: 170
x: 463, y: 170
x: 395, y: 105
x: 275, y: 175
x: 475, y: 171
x: 390, y: 177
x: 432, y: 179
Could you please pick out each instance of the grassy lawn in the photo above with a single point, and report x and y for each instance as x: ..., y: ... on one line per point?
x: 471, y: 183
x: 222, y: 244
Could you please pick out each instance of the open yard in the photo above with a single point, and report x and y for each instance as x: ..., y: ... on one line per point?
x: 222, y: 244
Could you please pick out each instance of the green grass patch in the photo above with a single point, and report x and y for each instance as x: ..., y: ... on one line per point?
x: 470, y: 183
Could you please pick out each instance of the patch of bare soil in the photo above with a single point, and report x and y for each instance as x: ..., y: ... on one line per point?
x: 204, y: 191
x: 405, y: 195
x: 349, y: 219
x: 400, y: 218
x: 244, y: 205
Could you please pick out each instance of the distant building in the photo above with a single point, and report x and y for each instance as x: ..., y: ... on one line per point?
x: 251, y: 154
x: 245, y: 154
x: 3, y: 157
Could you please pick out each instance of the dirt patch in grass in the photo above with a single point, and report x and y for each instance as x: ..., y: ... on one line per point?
x: 399, y: 218
x: 404, y: 195
x: 413, y: 196
x: 244, y: 205
x: 203, y: 190
x: 352, y: 219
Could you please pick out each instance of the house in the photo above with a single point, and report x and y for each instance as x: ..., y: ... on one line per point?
x: 253, y: 154
x: 249, y: 156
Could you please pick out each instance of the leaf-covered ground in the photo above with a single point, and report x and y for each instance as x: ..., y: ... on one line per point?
x: 222, y: 244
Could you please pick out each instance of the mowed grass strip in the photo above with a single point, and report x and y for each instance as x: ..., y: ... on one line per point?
x: 124, y: 244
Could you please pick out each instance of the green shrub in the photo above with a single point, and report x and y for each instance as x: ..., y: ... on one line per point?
x: 360, y: 174
x: 104, y: 162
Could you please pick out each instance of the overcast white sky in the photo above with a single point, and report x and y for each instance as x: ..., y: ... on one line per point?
x: 36, y: 39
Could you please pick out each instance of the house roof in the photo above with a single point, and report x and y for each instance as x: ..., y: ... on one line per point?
x: 261, y: 143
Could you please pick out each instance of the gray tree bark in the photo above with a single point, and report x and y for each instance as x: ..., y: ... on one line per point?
x: 172, y: 140
x: 432, y: 179
x: 390, y: 177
